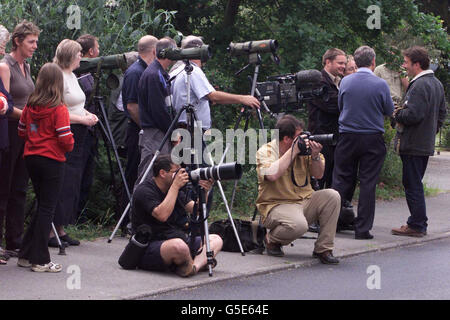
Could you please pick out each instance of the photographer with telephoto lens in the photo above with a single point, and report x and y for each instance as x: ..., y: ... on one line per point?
x: 161, y: 204
x: 286, y: 200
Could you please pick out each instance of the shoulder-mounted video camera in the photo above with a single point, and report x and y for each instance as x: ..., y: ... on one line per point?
x: 323, y: 139
x: 288, y: 92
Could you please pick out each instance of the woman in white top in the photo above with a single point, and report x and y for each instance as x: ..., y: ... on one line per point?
x: 68, y: 57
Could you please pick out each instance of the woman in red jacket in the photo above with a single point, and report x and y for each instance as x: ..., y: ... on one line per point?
x: 45, y: 126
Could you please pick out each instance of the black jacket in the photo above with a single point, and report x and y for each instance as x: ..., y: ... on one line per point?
x: 323, y: 116
x: 423, y: 114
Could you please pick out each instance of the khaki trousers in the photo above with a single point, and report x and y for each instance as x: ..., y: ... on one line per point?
x: 288, y: 222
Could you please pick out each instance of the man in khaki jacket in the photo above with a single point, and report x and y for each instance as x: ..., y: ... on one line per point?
x: 286, y: 200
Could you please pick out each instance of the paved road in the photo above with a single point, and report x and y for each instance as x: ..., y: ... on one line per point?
x: 417, y: 272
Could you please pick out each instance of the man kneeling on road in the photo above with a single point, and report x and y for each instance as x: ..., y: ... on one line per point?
x: 161, y: 204
x: 286, y: 200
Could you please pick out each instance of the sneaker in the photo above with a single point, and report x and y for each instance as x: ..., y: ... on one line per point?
x: 69, y: 240
x: 49, y: 267
x: 407, y: 231
x: 24, y: 263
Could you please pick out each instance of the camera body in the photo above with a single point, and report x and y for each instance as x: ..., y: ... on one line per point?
x: 323, y: 139
x: 288, y: 92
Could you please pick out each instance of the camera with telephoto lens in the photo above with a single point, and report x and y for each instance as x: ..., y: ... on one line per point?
x: 323, y: 139
x: 202, y: 53
x: 226, y: 171
x: 288, y: 92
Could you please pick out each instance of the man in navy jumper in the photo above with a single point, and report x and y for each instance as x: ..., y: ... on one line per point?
x: 420, y: 117
x: 364, y: 100
x: 154, y: 103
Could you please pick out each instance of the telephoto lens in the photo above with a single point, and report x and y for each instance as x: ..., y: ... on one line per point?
x: 324, y: 139
x: 226, y: 171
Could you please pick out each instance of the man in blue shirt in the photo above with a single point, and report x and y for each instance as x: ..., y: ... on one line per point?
x: 364, y: 100
x: 154, y: 104
x: 130, y: 92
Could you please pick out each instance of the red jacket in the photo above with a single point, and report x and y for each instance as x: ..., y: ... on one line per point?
x: 46, y: 132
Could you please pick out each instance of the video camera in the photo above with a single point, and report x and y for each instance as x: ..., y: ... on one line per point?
x: 202, y: 53
x: 226, y: 171
x: 286, y: 92
x: 323, y: 139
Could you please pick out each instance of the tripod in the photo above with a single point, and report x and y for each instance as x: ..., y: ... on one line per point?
x: 255, y: 59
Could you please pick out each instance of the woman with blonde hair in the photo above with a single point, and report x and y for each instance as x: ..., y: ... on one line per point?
x: 68, y: 57
x: 45, y: 127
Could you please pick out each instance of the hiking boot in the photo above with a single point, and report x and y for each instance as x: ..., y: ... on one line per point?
x: 273, y: 249
x: 407, y: 231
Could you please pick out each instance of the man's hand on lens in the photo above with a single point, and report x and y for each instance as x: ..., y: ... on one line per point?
x: 315, y: 148
x: 251, y: 101
x: 206, y: 184
x: 180, y: 179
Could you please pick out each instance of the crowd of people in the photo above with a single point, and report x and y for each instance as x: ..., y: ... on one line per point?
x: 47, y: 134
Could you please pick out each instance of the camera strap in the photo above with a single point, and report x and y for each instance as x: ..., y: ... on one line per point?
x: 292, y: 165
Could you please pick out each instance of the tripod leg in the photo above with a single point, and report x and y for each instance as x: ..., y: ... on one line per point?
x: 108, y: 132
x: 62, y: 249
x: 230, y: 217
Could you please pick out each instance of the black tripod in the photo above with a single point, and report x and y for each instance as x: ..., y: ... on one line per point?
x: 107, y: 136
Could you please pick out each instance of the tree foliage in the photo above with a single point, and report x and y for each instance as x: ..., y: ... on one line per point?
x: 305, y: 29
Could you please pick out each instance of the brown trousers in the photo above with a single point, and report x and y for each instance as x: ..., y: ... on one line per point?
x: 288, y: 222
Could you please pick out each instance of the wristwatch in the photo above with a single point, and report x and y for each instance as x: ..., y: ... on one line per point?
x: 315, y: 158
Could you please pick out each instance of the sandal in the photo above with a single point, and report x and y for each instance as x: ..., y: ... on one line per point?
x: 49, y: 267
x: 2, y: 261
x: 186, y: 270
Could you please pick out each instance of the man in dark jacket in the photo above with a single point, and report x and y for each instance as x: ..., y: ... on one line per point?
x: 422, y: 114
x: 323, y: 115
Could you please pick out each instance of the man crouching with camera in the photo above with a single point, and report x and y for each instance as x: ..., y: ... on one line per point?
x: 286, y: 200
x: 161, y: 204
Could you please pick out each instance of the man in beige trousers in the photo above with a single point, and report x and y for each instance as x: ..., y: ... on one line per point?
x: 286, y: 200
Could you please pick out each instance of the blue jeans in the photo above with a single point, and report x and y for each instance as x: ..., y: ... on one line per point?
x: 413, y: 171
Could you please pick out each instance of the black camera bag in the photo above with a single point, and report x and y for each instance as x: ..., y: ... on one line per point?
x: 135, y: 249
x: 251, y: 234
